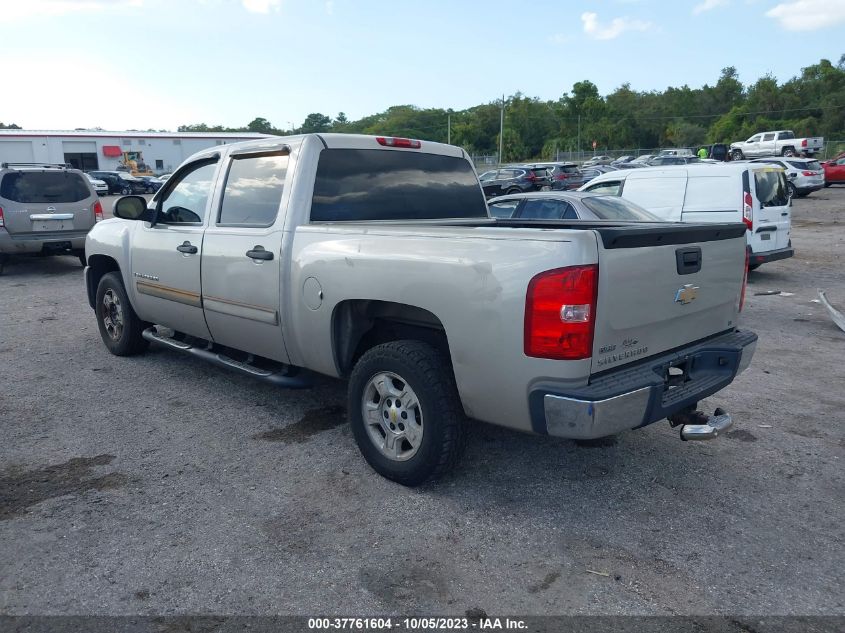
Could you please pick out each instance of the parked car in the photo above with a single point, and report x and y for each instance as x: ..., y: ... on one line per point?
x: 622, y: 160
x: 834, y: 171
x: 386, y: 270
x: 152, y: 183
x: 642, y: 160
x: 672, y: 159
x: 120, y: 182
x: 100, y: 186
x: 803, y: 175
x: 497, y: 182
x: 752, y: 193
x: 598, y: 160
x: 569, y: 205
x: 676, y: 151
x: 164, y: 177
x: 779, y: 143
x: 45, y: 209
x: 564, y: 175
x: 592, y: 172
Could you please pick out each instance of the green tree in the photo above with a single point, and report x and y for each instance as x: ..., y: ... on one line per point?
x: 315, y: 122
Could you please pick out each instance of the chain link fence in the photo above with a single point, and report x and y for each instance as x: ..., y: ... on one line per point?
x: 484, y: 162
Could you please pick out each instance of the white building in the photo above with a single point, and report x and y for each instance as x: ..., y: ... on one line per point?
x: 90, y: 150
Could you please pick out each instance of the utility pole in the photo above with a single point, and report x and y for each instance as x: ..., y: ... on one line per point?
x: 501, y: 129
x: 449, y: 130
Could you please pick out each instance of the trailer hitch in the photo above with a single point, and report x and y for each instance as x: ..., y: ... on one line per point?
x: 696, y: 425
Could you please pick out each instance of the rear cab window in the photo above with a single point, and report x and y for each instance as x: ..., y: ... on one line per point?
x: 503, y: 209
x: 371, y: 184
x: 44, y: 187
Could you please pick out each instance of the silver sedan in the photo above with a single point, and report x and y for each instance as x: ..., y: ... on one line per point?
x: 567, y: 205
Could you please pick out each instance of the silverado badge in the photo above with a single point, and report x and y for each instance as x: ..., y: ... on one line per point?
x: 686, y: 294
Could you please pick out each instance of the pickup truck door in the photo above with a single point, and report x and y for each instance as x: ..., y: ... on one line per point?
x: 165, y: 257
x: 768, y: 145
x: 242, y: 255
x: 752, y: 146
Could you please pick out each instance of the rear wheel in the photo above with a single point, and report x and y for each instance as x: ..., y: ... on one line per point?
x: 791, y: 190
x: 788, y: 151
x: 81, y: 256
x: 405, y: 412
x: 510, y: 192
x: 125, y: 191
x: 120, y: 328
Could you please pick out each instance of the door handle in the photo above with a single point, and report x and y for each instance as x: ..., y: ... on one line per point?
x: 187, y: 247
x: 258, y: 252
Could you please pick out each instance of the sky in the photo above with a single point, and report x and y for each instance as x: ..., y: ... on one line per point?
x: 140, y: 64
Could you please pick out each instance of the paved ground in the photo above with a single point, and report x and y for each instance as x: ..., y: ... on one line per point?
x: 162, y: 485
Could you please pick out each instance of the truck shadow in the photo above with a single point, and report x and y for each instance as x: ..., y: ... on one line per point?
x: 31, y: 267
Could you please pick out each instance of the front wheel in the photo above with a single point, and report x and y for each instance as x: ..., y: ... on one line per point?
x: 736, y: 154
x: 405, y: 412
x: 125, y: 191
x: 120, y: 328
x: 510, y: 192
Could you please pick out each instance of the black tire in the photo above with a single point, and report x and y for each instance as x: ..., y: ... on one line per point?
x: 428, y: 374
x: 81, y: 256
x: 792, y: 192
x: 125, y: 191
x: 827, y: 184
x: 125, y: 340
x: 787, y: 151
x: 754, y: 266
x: 736, y: 154
x: 510, y: 192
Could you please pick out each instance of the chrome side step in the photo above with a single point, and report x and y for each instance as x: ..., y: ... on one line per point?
x: 287, y: 376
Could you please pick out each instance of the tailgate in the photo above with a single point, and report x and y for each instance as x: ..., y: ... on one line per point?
x: 663, y: 287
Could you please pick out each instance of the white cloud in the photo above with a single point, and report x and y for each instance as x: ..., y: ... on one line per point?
x: 808, y: 15
x: 707, y: 5
x: 617, y: 26
x: 49, y: 8
x: 261, y: 6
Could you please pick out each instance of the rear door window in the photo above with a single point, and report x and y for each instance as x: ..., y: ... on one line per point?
x: 363, y: 184
x: 771, y: 188
x: 253, y: 190
x: 547, y: 210
x: 44, y: 187
x: 613, y: 208
x: 812, y: 165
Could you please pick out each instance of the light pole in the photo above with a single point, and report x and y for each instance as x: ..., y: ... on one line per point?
x: 501, y: 129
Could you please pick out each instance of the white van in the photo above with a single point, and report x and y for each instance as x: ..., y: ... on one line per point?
x: 753, y: 193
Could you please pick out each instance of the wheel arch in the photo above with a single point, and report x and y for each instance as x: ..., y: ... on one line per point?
x: 98, y: 265
x: 360, y: 324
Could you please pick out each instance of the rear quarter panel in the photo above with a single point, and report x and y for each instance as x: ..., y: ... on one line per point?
x: 473, y: 280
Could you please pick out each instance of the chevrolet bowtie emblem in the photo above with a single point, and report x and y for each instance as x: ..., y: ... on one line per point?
x: 686, y: 294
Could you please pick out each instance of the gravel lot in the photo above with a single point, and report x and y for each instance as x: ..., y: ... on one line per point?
x: 162, y: 485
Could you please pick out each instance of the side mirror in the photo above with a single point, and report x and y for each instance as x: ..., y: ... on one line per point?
x: 131, y: 208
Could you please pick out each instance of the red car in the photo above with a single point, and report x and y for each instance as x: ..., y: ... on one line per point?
x: 834, y: 170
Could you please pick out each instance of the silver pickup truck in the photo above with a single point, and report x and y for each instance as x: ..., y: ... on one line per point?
x: 778, y: 143
x: 374, y: 259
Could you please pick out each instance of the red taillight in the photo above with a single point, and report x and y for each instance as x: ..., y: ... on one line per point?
x: 748, y: 211
x: 744, y: 282
x: 804, y: 143
x: 2, y: 219
x: 392, y: 141
x: 560, y: 313
x: 809, y: 173
x: 98, y: 211
x: 562, y: 176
